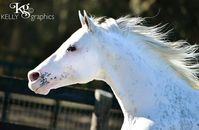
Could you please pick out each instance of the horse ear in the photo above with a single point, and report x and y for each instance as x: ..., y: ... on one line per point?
x: 81, y: 18
x: 85, y: 20
x: 88, y: 21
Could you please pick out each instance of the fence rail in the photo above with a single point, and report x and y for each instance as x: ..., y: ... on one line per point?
x: 69, y: 93
x: 10, y: 85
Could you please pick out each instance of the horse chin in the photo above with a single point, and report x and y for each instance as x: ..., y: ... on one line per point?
x: 42, y: 90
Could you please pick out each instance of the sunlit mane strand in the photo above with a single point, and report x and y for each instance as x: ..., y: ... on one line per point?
x: 181, y: 56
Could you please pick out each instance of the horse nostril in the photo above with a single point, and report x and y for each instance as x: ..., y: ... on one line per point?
x: 34, y: 76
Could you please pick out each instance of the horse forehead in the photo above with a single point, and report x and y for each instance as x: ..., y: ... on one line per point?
x: 76, y: 36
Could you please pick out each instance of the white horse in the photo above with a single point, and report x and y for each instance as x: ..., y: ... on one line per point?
x: 153, y: 79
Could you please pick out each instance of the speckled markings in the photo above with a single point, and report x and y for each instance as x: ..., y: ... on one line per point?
x: 44, y: 79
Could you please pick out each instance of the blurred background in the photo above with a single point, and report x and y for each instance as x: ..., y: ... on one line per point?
x: 23, y: 40
x: 25, y: 43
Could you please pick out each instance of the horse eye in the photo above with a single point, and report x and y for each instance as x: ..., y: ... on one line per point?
x: 71, y: 48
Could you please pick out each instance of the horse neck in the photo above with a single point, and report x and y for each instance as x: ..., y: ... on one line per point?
x: 137, y: 76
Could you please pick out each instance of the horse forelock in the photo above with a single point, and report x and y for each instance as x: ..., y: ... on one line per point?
x: 180, y: 55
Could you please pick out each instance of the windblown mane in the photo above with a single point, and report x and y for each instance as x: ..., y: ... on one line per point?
x: 181, y: 56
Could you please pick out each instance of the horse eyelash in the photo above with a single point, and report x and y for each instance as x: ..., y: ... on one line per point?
x: 71, y: 48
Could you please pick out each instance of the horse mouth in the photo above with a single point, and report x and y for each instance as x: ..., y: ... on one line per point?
x: 43, y: 90
x: 37, y: 89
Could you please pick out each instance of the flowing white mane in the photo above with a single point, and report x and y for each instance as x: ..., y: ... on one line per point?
x: 180, y: 55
